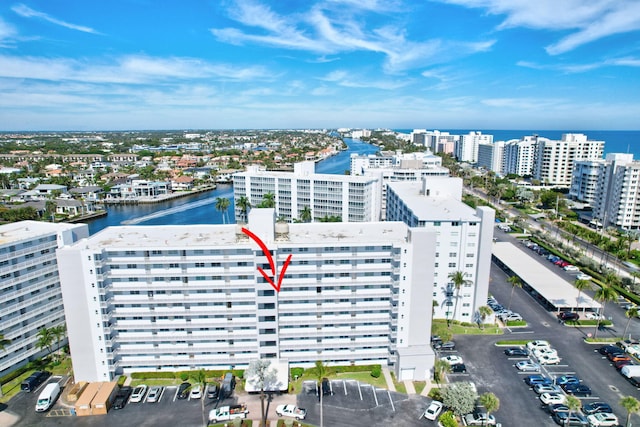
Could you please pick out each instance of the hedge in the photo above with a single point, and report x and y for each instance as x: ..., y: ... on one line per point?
x: 173, y: 375
x: 352, y: 368
x: 15, y: 374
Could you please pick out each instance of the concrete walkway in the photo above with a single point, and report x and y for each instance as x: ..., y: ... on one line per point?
x: 427, y: 388
x: 387, y: 376
x: 409, y: 386
x: 8, y: 419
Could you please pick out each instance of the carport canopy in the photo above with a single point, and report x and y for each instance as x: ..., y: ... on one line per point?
x: 554, y: 289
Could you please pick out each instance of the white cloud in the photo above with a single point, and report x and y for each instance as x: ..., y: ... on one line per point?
x: 7, y: 33
x: 27, y: 12
x: 346, y: 79
x: 581, y: 68
x: 591, y: 20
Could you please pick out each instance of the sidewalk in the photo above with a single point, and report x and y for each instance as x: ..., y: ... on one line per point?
x: 387, y: 376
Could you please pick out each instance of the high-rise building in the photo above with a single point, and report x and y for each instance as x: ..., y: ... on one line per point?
x: 491, y: 156
x: 555, y: 159
x: 467, y: 146
x: 30, y: 297
x: 520, y: 155
x: 617, y: 199
x: 463, y: 242
x: 146, y: 298
x: 345, y: 197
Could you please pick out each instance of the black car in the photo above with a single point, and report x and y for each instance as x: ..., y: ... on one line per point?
x: 594, y: 407
x: 580, y: 390
x: 532, y: 380
x: 556, y: 407
x: 34, y: 381
x: 183, y: 390
x: 566, y: 316
x: 516, y: 351
x: 122, y: 397
x: 570, y: 419
x: 610, y: 349
x: 213, y: 391
x: 326, y: 387
x: 459, y: 368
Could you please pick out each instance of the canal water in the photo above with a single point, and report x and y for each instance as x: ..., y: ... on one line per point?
x: 200, y: 208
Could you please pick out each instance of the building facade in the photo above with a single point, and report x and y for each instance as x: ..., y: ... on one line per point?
x: 467, y: 146
x: 491, y: 156
x: 349, y: 198
x: 555, y: 159
x: 463, y: 241
x: 617, y: 196
x: 520, y: 155
x: 212, y: 296
x: 30, y: 296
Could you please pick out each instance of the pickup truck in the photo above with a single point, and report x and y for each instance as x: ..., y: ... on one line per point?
x: 478, y: 420
x: 291, y: 411
x: 226, y: 413
x: 631, y: 347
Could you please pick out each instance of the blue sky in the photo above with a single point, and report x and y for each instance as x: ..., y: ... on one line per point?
x: 196, y: 64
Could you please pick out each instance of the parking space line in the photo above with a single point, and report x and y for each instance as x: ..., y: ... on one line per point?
x: 375, y: 396
x: 393, y: 407
x: 359, y: 390
x: 344, y: 385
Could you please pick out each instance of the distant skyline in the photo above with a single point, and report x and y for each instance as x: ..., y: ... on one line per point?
x: 249, y: 64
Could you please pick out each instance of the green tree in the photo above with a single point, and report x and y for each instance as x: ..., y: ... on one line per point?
x: 604, y: 294
x: 244, y: 205
x: 59, y: 333
x: 581, y: 285
x: 260, y: 374
x: 483, y: 312
x: 515, y: 283
x: 440, y: 369
x: 631, y: 313
x: 45, y: 339
x: 319, y: 371
x: 222, y: 205
x: 458, y: 279
x: 632, y: 405
x: 490, y: 401
x: 459, y: 397
x: 305, y: 214
x: 200, y: 378
x: 574, y: 404
x: 3, y: 345
x: 268, y: 201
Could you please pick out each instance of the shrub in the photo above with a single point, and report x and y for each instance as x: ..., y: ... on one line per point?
x: 376, y: 372
x: 121, y: 380
x: 184, y: 376
x: 447, y: 419
x: 154, y: 374
x: 297, y: 372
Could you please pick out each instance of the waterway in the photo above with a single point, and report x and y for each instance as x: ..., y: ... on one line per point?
x: 200, y: 208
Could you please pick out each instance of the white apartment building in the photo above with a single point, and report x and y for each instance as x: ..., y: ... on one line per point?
x: 617, y: 201
x: 145, y: 298
x: 555, y: 159
x: 584, y: 180
x: 350, y: 198
x: 386, y: 160
x: 30, y: 297
x: 520, y: 155
x: 463, y: 241
x: 467, y: 146
x: 491, y: 156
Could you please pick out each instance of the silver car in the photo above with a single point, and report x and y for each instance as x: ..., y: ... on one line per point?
x: 155, y: 393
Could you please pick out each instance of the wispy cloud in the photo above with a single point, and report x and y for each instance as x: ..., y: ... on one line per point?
x: 591, y: 20
x: 7, y: 33
x: 581, y: 68
x: 346, y: 79
x: 322, y: 31
x: 27, y: 12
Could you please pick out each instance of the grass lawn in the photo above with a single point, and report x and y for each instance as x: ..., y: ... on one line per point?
x: 12, y: 387
x: 439, y: 327
x: 419, y: 385
x: 364, y: 377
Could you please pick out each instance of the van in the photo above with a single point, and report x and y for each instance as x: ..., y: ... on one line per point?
x: 34, y: 381
x: 48, y: 397
x: 228, y: 385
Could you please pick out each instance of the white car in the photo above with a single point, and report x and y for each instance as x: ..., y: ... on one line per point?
x: 527, y: 366
x: 432, y: 412
x: 532, y: 345
x: 545, y: 351
x: 549, y: 359
x: 196, y: 392
x: 155, y: 394
x: 594, y: 316
x: 602, y: 419
x: 138, y: 394
x: 583, y: 276
x: 452, y: 359
x: 291, y: 411
x: 570, y: 268
x: 512, y: 317
x: 551, y: 398
x: 546, y: 388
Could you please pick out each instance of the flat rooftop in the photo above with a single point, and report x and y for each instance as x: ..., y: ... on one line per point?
x: 28, y: 230
x: 555, y: 289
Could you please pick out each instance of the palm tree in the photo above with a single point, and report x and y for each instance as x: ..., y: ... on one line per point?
x: 305, y: 214
x: 222, y: 204
x: 244, y: 205
x: 458, y: 280
x: 604, y: 294
x: 515, y: 283
x: 632, y: 405
x: 491, y: 402
x: 484, y: 311
x: 3, y: 343
x: 581, y: 285
x: 200, y: 378
x: 574, y: 404
x: 440, y: 368
x: 268, y: 201
x: 45, y: 339
x: 58, y: 333
x: 631, y: 313
x: 320, y: 371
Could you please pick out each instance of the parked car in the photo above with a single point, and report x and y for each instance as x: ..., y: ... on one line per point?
x: 196, y: 392
x: 213, y: 391
x: 516, y: 351
x: 556, y: 407
x: 548, y: 351
x: 622, y: 363
x: 138, y: 394
x: 567, y: 379
x: 513, y: 317
x: 570, y: 268
x: 615, y: 357
x: 527, y: 366
x: 578, y: 390
x: 122, y: 397
x: 549, y: 398
x: 583, y: 276
x: 594, y: 316
x: 459, y: 368
x: 546, y: 388
x: 567, y: 419
x: 291, y: 411
x: 325, y: 386
x: 607, y: 349
x: 448, y: 346
x: 477, y: 420
x: 602, y: 419
x: 531, y: 345
x: 594, y: 407
x: 155, y: 394
x: 549, y: 360
x: 563, y: 264
x: 183, y: 390
x: 532, y: 380
x: 568, y: 316
x: 434, y: 409
x: 452, y: 359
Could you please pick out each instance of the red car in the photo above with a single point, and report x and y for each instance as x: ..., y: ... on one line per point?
x: 563, y: 264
